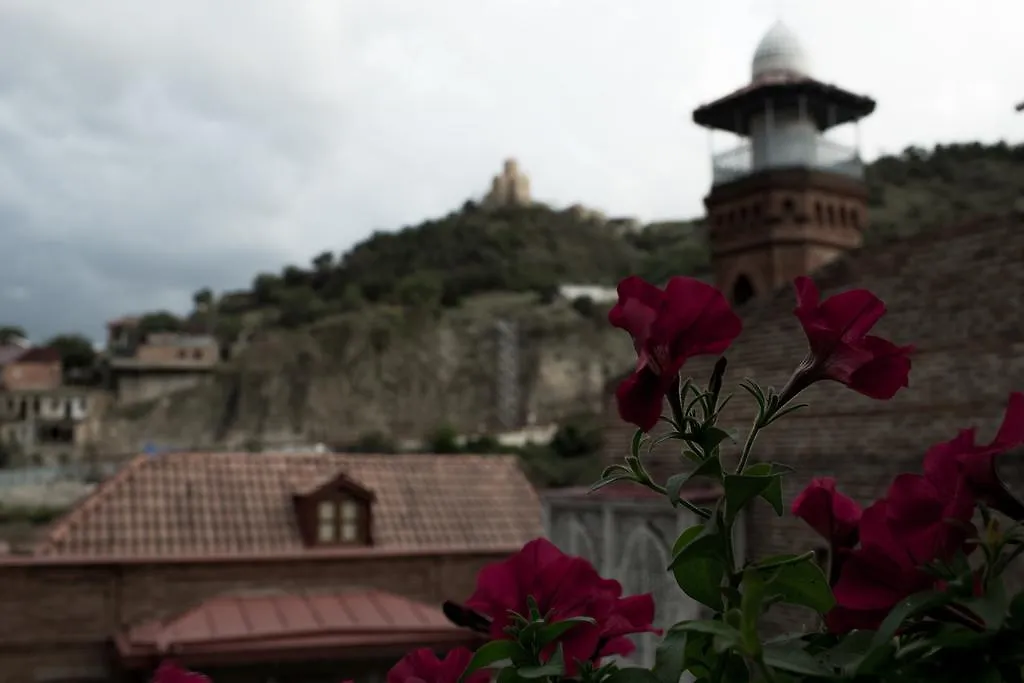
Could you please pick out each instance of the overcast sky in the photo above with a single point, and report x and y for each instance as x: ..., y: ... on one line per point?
x: 148, y: 148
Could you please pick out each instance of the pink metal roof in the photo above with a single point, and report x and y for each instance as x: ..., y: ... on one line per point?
x: 272, y: 624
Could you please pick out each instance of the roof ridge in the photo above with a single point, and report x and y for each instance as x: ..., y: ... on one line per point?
x: 63, y: 524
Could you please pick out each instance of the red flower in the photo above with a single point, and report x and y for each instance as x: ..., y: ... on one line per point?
x: 874, y: 577
x: 977, y: 463
x: 840, y: 347
x: 930, y: 515
x: 689, y: 318
x: 834, y: 516
x: 563, y: 587
x: 171, y: 672
x: 423, y: 666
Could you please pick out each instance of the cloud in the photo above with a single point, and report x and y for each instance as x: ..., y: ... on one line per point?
x: 149, y: 150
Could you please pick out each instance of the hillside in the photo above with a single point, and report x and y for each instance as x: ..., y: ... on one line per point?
x: 400, y: 336
x: 441, y: 262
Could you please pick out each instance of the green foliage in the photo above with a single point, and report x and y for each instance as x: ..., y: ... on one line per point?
x: 11, y: 333
x: 78, y: 357
x: 75, y: 350
x: 160, y: 321
x: 535, y: 249
x: 203, y: 298
x: 32, y: 514
x: 444, y: 439
x: 372, y: 442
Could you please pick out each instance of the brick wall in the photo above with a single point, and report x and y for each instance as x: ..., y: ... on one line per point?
x: 958, y: 295
x: 59, y: 620
x: 31, y: 376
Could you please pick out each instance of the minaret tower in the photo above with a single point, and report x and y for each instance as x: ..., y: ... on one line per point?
x: 787, y: 200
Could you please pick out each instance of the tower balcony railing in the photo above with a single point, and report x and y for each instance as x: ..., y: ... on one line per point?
x: 820, y: 154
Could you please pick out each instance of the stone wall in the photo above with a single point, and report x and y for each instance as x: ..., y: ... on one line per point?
x: 393, y: 372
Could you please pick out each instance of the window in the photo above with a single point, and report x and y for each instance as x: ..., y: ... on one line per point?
x: 327, y: 522
x: 197, y: 354
x: 349, y: 521
x: 182, y: 353
x: 788, y: 206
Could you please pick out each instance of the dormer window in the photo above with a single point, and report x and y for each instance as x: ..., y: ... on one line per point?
x: 327, y: 522
x: 339, y: 521
x: 336, y: 512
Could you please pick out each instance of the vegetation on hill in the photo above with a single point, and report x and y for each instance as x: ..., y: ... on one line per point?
x: 441, y: 262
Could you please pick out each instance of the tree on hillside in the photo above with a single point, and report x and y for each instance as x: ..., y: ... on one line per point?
x: 300, y: 306
x: 293, y: 276
x: 11, y: 333
x: 323, y: 262
x: 420, y: 290
x: 265, y: 288
x: 76, y: 350
x: 160, y: 321
x: 203, y: 298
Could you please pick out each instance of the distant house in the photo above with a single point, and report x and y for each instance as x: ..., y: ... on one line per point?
x: 248, y: 567
x: 32, y: 369
x: 143, y: 367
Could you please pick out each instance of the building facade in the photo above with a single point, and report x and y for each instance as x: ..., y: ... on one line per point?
x: 42, y: 421
x: 143, y: 367
x: 314, y: 568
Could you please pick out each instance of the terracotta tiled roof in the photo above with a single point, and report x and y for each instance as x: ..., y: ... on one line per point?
x: 216, y: 504
x: 272, y: 624
x: 10, y: 353
x: 40, y: 354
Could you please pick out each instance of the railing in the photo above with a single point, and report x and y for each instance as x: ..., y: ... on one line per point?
x: 819, y: 154
x: 36, y: 476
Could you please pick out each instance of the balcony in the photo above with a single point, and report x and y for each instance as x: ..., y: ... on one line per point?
x: 818, y: 154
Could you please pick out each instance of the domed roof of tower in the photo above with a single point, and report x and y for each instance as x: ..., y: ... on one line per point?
x: 779, y: 51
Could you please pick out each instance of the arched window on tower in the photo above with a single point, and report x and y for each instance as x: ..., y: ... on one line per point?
x: 742, y: 290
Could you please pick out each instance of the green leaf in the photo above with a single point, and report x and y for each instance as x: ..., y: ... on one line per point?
x: 553, y: 667
x: 846, y: 655
x: 491, y: 653
x: 751, y: 604
x: 509, y: 675
x: 916, y: 604
x: 773, y: 492
x: 601, y: 483
x: 699, y: 566
x: 711, y: 438
x: 709, y: 467
x: 670, y: 657
x: 633, y: 675
x: 802, y: 583
x: 1017, y: 610
x: 740, y: 489
x: 726, y: 637
x: 549, y: 633
x: 794, y: 660
x: 992, y: 607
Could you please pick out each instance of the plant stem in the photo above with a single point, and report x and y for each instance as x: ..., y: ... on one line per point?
x: 703, y: 514
x: 749, y: 444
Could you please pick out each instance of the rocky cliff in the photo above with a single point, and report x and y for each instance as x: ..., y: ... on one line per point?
x: 390, y: 370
